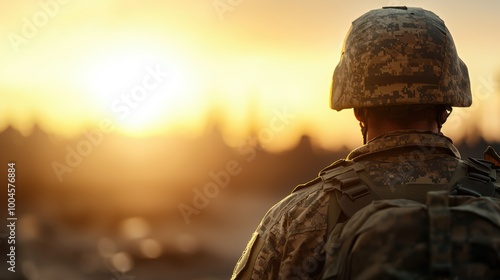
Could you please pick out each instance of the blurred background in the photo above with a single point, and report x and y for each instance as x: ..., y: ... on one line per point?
x: 150, y: 137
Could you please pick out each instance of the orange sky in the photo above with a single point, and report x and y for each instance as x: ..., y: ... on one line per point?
x: 159, y: 67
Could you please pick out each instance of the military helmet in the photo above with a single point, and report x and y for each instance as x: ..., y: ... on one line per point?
x: 399, y: 56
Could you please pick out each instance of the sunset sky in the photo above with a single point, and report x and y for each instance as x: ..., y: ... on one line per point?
x: 172, y: 67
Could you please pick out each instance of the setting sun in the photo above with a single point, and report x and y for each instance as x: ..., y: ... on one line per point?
x: 138, y: 86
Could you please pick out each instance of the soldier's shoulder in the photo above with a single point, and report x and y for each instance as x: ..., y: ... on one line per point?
x: 301, y: 210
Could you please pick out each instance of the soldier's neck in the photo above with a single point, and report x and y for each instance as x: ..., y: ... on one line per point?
x: 375, y: 130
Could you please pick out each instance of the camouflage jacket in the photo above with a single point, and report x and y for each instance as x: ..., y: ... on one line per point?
x: 288, y: 243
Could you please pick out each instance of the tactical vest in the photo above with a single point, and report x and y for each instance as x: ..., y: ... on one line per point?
x: 351, y: 187
x: 351, y: 190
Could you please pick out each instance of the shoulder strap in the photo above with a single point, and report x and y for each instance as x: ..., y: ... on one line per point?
x: 353, y: 193
x: 351, y: 185
x: 334, y: 209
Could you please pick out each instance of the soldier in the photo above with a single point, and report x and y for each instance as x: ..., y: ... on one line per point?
x: 400, y: 72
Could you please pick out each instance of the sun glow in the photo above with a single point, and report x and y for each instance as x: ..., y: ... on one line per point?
x: 161, y: 68
x: 141, y: 90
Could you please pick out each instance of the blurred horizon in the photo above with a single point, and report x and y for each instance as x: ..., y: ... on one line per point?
x: 171, y: 160
x: 167, y: 68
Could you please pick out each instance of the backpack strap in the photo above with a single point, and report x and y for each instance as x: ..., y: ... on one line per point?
x: 352, y: 193
x: 334, y: 209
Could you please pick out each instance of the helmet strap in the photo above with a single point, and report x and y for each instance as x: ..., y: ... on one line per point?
x: 364, y: 130
x: 362, y: 116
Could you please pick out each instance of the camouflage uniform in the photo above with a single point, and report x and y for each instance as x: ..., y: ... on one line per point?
x: 294, y: 231
x: 398, y: 59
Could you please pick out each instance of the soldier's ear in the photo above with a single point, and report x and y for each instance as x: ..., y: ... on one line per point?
x: 360, y: 114
x: 444, y: 116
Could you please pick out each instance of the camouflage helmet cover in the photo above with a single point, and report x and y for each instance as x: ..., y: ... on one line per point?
x: 399, y: 56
